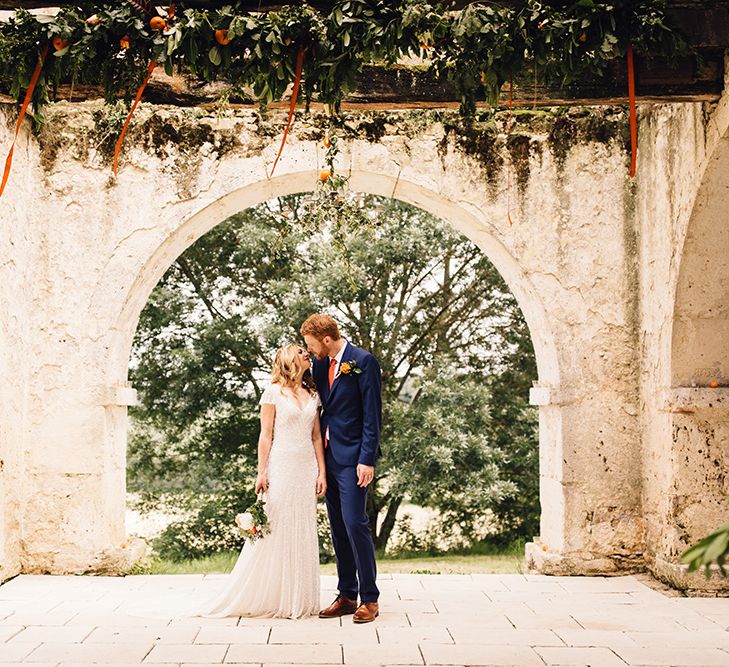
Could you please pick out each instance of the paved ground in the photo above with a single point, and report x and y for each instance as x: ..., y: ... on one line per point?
x: 426, y: 619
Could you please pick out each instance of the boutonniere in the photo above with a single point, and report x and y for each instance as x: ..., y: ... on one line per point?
x: 350, y: 367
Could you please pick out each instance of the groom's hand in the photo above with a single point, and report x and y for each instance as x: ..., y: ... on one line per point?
x: 365, y: 474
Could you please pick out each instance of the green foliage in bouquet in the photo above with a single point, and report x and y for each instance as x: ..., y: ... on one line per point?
x: 254, y: 523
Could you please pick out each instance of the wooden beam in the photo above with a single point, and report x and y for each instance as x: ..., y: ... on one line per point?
x: 404, y: 88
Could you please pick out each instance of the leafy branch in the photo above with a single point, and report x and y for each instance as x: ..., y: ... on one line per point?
x: 478, y: 48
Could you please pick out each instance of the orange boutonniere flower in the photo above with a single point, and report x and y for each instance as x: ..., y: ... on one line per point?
x: 350, y: 366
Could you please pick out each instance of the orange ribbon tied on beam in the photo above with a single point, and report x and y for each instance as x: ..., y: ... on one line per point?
x: 508, y: 157
x: 150, y: 68
x: 633, y: 114
x: 23, y: 109
x: 292, y: 105
x: 117, y: 148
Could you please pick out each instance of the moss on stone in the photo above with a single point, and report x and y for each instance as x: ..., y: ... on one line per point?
x: 157, y: 132
x: 488, y: 137
x: 519, y: 147
x: 585, y: 125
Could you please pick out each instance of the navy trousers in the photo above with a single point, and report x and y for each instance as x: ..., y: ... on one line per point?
x: 353, y: 546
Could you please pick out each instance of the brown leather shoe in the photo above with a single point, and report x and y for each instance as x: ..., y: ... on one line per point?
x: 367, y: 612
x: 341, y: 606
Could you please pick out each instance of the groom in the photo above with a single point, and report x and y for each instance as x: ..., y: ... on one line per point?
x: 348, y: 381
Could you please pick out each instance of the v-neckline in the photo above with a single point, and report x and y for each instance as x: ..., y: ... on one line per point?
x: 292, y: 399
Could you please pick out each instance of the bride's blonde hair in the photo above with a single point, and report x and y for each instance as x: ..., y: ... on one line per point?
x: 287, y: 366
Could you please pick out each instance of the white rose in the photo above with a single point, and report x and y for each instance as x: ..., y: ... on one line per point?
x: 244, y: 520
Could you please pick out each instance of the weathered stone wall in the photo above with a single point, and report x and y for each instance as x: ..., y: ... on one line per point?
x: 684, y: 178
x: 96, y: 246
x: 15, y: 352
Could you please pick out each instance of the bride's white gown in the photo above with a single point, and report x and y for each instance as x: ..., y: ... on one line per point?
x: 278, y: 574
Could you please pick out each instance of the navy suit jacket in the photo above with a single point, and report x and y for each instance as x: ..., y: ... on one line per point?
x: 352, y: 409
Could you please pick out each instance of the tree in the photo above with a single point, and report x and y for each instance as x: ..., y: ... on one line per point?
x: 422, y: 298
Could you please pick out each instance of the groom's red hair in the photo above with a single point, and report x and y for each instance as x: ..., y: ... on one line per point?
x: 320, y: 326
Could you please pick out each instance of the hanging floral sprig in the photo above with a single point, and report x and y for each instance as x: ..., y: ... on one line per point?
x: 335, y: 209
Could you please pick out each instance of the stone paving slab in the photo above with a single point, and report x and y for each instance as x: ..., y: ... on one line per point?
x: 567, y: 655
x: 454, y: 620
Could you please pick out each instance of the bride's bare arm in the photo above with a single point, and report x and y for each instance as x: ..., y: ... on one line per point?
x: 265, y: 440
x: 321, y: 482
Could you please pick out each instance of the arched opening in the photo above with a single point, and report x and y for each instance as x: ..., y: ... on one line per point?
x: 701, y: 317
x: 698, y: 399
x: 458, y: 217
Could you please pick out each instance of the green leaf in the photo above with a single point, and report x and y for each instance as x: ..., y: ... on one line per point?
x: 214, y: 56
x: 717, y: 547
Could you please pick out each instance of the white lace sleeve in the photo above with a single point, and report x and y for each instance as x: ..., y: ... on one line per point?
x: 269, y: 396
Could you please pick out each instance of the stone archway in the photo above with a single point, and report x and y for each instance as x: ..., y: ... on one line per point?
x: 569, y: 258
x: 456, y: 216
x: 694, y: 485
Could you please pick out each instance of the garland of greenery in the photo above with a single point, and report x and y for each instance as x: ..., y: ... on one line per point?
x: 478, y: 48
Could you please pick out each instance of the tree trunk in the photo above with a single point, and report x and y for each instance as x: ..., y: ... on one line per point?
x: 388, y: 523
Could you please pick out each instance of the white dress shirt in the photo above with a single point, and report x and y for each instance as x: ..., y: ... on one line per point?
x: 338, y: 358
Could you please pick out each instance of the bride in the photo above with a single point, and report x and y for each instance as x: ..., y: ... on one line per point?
x: 278, y: 574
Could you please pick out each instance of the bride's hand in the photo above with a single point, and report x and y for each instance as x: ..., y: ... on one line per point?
x: 321, y: 485
x: 261, y: 483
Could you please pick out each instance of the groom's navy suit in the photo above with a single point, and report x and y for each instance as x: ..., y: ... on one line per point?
x: 352, y: 412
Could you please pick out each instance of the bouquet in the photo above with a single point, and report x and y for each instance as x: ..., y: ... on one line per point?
x: 254, y: 521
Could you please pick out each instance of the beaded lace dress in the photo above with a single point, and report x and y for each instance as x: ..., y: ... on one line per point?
x: 278, y: 574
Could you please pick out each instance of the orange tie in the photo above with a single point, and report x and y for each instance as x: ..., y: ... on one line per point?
x: 332, y: 366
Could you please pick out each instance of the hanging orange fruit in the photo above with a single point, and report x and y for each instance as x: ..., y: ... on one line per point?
x: 221, y: 37
x: 125, y: 42
x: 324, y: 175
x: 583, y: 37
x: 157, y: 23
x: 59, y: 42
x: 327, y: 141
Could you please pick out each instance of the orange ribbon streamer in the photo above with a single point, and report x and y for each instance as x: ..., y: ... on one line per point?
x: 150, y: 69
x: 117, y: 148
x: 23, y: 109
x: 633, y: 118
x: 508, y: 159
x: 294, y: 95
